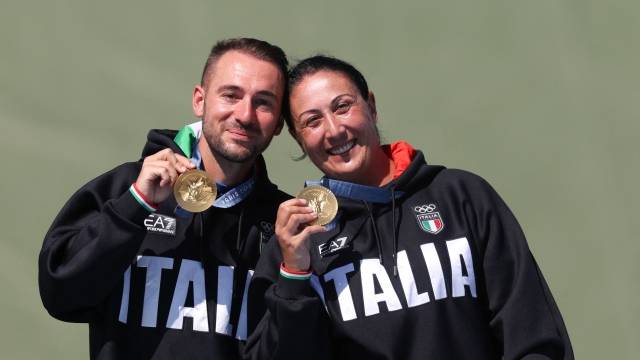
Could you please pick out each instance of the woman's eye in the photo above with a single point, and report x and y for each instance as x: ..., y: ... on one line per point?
x: 343, y: 107
x: 311, y: 121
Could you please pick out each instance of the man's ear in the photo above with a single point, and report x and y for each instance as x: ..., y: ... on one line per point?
x: 279, y: 127
x: 372, y: 107
x: 197, y: 101
x: 294, y: 135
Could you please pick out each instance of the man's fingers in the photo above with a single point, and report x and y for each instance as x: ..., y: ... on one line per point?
x: 161, y: 170
x: 160, y: 155
x: 172, y: 158
x: 178, y: 162
x: 184, y: 161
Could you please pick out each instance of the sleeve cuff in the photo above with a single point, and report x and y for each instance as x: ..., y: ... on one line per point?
x: 293, y: 285
x: 142, y: 200
x: 295, y: 275
x: 128, y: 207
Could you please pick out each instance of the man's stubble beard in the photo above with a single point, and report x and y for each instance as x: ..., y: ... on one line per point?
x: 219, y: 147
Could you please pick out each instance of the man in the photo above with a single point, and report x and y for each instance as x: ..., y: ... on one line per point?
x: 153, y: 280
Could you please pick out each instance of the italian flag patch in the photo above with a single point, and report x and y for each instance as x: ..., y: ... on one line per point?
x: 428, y: 219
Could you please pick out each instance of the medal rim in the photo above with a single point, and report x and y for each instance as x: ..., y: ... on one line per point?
x: 332, y: 199
x: 191, y: 207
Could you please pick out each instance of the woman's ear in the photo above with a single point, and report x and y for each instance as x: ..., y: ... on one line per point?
x: 371, y: 102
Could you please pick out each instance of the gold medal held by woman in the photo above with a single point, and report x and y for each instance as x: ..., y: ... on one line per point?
x: 322, y: 201
x: 195, y: 191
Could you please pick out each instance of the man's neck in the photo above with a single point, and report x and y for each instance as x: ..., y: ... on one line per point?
x: 224, y: 171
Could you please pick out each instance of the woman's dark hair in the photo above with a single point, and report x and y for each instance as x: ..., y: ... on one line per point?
x: 314, y: 64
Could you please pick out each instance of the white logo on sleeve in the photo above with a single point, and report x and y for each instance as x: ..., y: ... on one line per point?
x: 160, y: 224
x: 332, y: 246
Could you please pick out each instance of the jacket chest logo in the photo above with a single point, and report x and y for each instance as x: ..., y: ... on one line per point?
x: 428, y: 219
x: 160, y: 224
x: 265, y: 234
x: 332, y: 246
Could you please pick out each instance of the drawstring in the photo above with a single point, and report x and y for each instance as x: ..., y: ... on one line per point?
x: 239, y: 243
x: 238, y: 269
x: 395, y: 238
x: 375, y: 232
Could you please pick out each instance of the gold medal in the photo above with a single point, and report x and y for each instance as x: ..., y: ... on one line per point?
x: 322, y: 201
x: 195, y: 190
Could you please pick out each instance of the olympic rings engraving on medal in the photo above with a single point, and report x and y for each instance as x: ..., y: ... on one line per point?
x: 424, y: 208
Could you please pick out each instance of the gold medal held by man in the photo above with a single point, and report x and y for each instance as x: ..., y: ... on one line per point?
x: 195, y: 191
x: 322, y: 201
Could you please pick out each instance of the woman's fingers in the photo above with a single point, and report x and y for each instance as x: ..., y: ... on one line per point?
x: 287, y: 210
x: 293, y: 232
x: 310, y: 230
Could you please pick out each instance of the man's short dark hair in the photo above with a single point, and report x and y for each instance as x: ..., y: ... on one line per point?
x: 257, y: 48
x: 314, y: 64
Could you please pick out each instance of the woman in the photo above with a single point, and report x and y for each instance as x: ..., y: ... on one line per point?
x: 422, y: 262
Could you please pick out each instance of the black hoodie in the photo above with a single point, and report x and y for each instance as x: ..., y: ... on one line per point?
x: 467, y: 286
x: 155, y: 285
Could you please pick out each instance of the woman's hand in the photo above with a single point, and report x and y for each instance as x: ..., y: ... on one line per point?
x: 293, y: 232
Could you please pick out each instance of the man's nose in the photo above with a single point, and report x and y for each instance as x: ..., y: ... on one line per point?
x: 243, y: 111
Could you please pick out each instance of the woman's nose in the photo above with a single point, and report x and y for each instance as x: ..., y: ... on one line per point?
x: 334, y: 127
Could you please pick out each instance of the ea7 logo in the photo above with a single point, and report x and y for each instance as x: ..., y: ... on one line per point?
x: 429, y: 220
x: 333, y: 246
x: 161, y: 224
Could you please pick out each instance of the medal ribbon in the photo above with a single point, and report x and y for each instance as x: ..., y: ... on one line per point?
x: 353, y: 191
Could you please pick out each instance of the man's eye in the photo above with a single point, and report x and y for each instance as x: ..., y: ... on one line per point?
x: 260, y: 102
x: 229, y: 96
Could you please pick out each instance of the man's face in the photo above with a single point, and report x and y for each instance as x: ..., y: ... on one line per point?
x: 240, y: 106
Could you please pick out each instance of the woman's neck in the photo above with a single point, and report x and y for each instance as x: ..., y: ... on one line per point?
x: 380, y: 171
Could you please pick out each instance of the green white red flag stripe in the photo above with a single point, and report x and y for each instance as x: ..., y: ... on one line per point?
x: 432, y: 225
x: 151, y: 207
x: 295, y: 275
x: 188, y: 136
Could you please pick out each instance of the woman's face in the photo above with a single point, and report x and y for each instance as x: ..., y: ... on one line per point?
x: 334, y: 125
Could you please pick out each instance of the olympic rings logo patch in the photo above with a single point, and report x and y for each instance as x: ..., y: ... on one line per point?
x: 424, y: 208
x: 268, y: 228
x: 429, y: 220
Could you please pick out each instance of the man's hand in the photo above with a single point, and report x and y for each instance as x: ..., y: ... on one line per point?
x: 293, y: 232
x: 159, y: 172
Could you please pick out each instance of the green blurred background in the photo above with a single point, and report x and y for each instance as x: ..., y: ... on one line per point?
x: 541, y: 98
